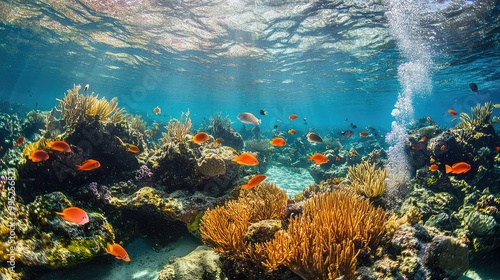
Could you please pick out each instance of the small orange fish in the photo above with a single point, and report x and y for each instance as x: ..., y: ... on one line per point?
x: 292, y: 131
x: 60, y: 146
x: 353, y: 152
x: 133, y: 149
x: 88, y: 165
x: 429, y: 119
x: 246, y: 159
x: 254, y: 181
x: 451, y: 111
x: 292, y: 117
x: 498, y: 148
x: 318, y: 158
x: 74, y: 215
x: 457, y: 168
x: 433, y: 167
x: 278, y: 142
x: 200, y: 137
x: 423, y: 138
x: 38, y: 156
x: 218, y: 141
x: 19, y: 141
x: 337, y: 158
x: 363, y: 134
x: 454, y: 119
x: 442, y: 147
x: 118, y: 251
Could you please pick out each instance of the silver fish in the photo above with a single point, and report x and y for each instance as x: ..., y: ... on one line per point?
x: 248, y: 118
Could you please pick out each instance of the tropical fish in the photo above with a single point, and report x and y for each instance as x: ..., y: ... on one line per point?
x: 118, y: 251
x: 353, y: 126
x: 313, y: 137
x: 157, y: 110
x: 254, y: 181
x: 423, y: 138
x: 337, y: 158
x: 353, y: 152
x: 292, y: 117
x: 433, y: 167
x: 200, y: 137
x: 454, y: 119
x: 246, y: 159
x: 133, y: 149
x: 318, y: 158
x: 86, y: 87
x: 88, y: 165
x: 19, y: 141
x: 458, y: 168
x: 474, y: 87
x: 363, y: 134
x: 248, y: 118
x: 263, y: 112
x: 218, y: 141
x: 74, y: 215
x: 442, y: 147
x: 347, y: 133
x: 60, y: 146
x: 278, y: 142
x: 38, y: 156
x: 292, y: 131
x: 451, y: 111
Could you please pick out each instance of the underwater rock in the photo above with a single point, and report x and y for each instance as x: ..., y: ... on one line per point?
x: 211, y: 165
x: 220, y: 127
x: 43, y: 239
x: 441, y: 221
x: 480, y: 223
x: 262, y: 231
x: 448, y: 255
x: 201, y: 264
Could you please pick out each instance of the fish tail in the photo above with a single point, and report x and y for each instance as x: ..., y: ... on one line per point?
x: 60, y: 214
x: 448, y: 168
x: 108, y: 248
x: 244, y: 187
x: 79, y: 167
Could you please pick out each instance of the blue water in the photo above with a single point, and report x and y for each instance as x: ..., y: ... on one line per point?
x: 323, y: 61
x: 331, y: 62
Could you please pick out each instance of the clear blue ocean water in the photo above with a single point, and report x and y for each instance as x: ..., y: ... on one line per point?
x: 331, y: 62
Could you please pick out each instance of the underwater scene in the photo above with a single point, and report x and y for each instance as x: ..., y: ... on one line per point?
x: 249, y: 139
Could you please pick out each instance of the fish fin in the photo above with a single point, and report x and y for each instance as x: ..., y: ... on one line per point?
x: 244, y: 187
x: 60, y: 214
x: 109, y: 248
x: 448, y: 168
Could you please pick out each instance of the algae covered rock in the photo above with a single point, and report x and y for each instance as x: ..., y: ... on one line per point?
x: 200, y: 264
x: 480, y: 223
x: 447, y: 254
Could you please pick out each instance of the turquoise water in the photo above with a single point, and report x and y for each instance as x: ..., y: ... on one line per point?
x: 333, y: 63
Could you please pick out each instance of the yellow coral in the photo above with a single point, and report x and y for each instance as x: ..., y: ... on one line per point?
x: 367, y: 179
x: 323, y: 243
x: 177, y: 130
x: 211, y: 165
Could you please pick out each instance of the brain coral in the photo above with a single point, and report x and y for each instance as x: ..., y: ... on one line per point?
x: 211, y: 165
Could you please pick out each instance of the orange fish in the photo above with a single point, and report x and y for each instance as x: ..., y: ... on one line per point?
x: 337, y: 158
x: 318, y: 158
x: 498, y: 148
x: 292, y: 131
x: 133, y: 149
x: 442, y: 147
x: 451, y: 111
x: 218, y: 141
x: 423, y: 138
x: 292, y: 117
x: 60, y: 146
x: 457, y: 168
x: 363, y: 134
x: 117, y: 251
x: 254, y: 181
x: 88, y: 165
x: 429, y: 119
x: 19, y: 141
x: 200, y: 137
x: 246, y: 159
x: 278, y: 142
x: 74, y: 215
x: 38, y: 156
x: 433, y: 167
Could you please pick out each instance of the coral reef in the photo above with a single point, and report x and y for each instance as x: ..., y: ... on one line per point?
x: 367, y: 180
x: 177, y: 130
x: 220, y: 127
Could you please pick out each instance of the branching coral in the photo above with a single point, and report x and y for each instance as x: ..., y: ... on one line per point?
x: 224, y: 227
x: 323, y: 242
x: 218, y: 123
x: 367, y: 179
x: 177, y: 130
x: 77, y: 108
x: 480, y: 116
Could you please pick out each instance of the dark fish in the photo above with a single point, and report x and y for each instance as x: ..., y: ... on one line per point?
x: 313, y: 137
x: 474, y: 87
x: 347, y: 133
x: 353, y: 126
x: 262, y: 112
x: 275, y: 126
